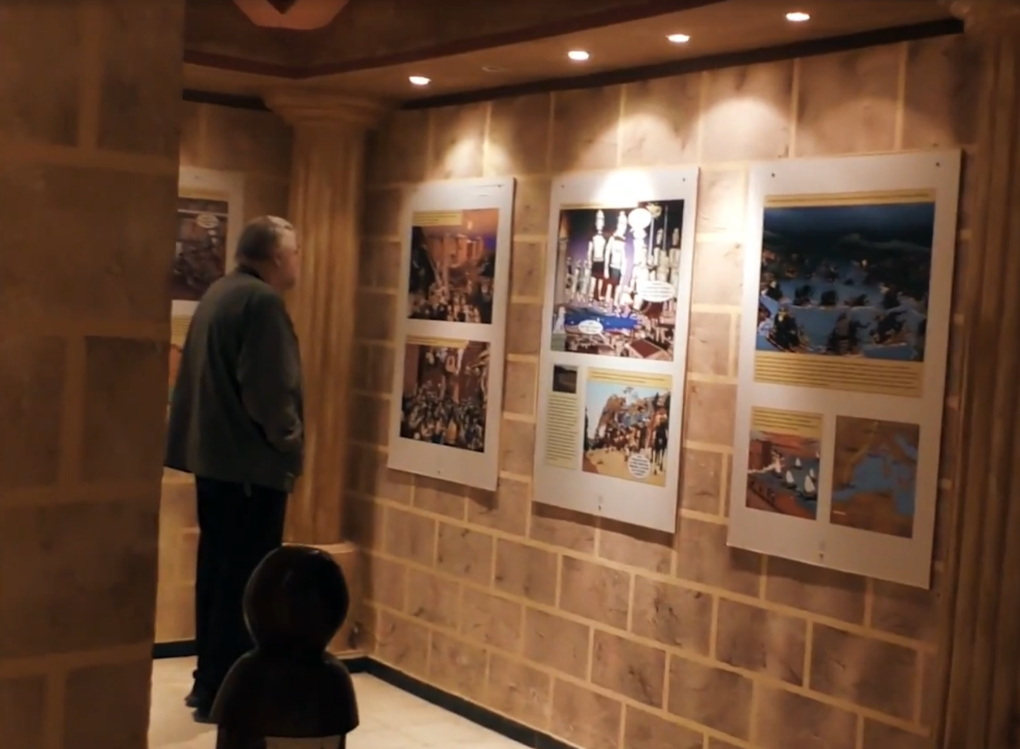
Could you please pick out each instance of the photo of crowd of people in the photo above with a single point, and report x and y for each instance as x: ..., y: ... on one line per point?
x: 453, y: 266
x: 626, y: 427
x: 846, y: 279
x: 200, y: 255
x: 618, y: 280
x: 445, y: 397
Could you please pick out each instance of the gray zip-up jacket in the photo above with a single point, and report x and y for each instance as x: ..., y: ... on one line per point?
x: 237, y: 410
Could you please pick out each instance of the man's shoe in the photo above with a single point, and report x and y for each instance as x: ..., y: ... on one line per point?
x: 203, y: 714
x: 197, y: 697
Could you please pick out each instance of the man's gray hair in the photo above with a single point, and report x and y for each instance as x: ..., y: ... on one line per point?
x: 260, y: 238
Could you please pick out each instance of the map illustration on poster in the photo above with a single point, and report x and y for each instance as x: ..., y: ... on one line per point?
x: 613, y: 356
x: 447, y: 393
x: 843, y: 350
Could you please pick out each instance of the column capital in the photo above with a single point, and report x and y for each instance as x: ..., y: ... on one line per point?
x: 320, y: 107
x: 982, y: 16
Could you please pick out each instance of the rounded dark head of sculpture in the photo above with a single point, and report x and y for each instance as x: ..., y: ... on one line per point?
x: 297, y: 599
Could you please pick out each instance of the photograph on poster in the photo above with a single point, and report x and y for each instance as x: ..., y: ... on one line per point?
x: 874, y: 475
x: 200, y: 256
x: 844, y: 290
x: 445, y: 398
x: 562, y: 447
x: 453, y: 265
x: 626, y: 425
x: 783, y: 462
x: 617, y: 280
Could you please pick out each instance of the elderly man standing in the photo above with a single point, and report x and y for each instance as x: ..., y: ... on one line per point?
x: 236, y: 423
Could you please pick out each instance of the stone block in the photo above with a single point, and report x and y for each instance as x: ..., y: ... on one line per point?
x: 386, y: 582
x: 398, y: 150
x: 701, y: 480
x: 191, y: 133
x: 523, y: 329
x: 456, y: 666
x: 402, y: 643
x: 784, y: 720
x: 490, y: 620
x: 558, y: 643
x: 465, y: 553
x: 636, y: 671
x: 364, y: 523
x: 676, y: 616
x: 379, y: 266
x: 370, y: 419
x: 410, y: 536
x: 382, y: 212
x: 746, y: 113
x: 660, y: 121
x: 643, y: 730
x: 882, y: 736
x: 816, y: 589
x: 519, y: 383
x: 376, y: 315
x: 95, y: 693
x: 32, y: 375
x: 710, y: 413
x: 595, y: 592
x: 722, y: 199
x: 517, y: 447
x: 127, y: 278
x: 906, y: 611
x: 758, y: 640
x: 585, y: 129
x: 91, y: 564
x: 139, y: 105
x: 23, y: 707
x: 505, y: 509
x: 709, y: 342
x: 711, y: 696
x: 519, y: 691
x: 867, y: 672
x: 847, y: 102
x: 433, y: 599
x: 519, y: 135
x: 458, y: 141
x: 440, y: 497
x: 527, y: 270
x: 941, y: 100
x: 702, y: 556
x: 566, y: 528
x: 635, y: 546
x: 585, y: 718
x: 526, y: 571
x: 243, y: 140
x: 531, y: 206
x: 718, y: 273
x: 393, y: 485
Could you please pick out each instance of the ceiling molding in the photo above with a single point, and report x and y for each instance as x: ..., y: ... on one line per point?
x: 295, y: 15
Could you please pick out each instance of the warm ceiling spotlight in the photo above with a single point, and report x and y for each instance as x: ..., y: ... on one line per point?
x: 798, y: 16
x: 578, y: 55
x: 679, y: 38
x: 419, y: 80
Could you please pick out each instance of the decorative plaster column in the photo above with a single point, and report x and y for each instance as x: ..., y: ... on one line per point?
x: 982, y: 645
x: 326, y: 186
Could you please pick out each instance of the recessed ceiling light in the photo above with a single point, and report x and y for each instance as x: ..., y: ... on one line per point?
x: 798, y: 16
x: 419, y: 80
x: 679, y: 38
x: 578, y: 55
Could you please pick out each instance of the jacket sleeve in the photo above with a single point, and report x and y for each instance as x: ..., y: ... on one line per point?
x: 269, y: 373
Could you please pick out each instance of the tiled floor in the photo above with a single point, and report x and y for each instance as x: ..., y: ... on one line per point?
x: 390, y: 718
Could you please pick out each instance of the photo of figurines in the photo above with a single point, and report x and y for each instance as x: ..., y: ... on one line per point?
x: 783, y: 461
x: 874, y: 475
x: 626, y: 425
x: 844, y: 281
x: 617, y: 280
x: 445, y: 397
x: 453, y: 266
x: 200, y: 256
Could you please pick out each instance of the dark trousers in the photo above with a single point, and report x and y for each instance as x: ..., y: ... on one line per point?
x: 239, y: 525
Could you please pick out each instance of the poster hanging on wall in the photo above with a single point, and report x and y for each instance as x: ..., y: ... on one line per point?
x: 209, y: 218
x: 843, y: 346
x: 614, y: 344
x: 447, y: 394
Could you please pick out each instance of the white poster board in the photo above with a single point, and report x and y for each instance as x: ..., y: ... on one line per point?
x: 614, y: 344
x: 447, y: 395
x: 848, y: 285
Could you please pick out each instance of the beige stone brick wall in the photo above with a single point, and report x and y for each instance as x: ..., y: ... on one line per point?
x: 610, y: 636
x: 258, y: 145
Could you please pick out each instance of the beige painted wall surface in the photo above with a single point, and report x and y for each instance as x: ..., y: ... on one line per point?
x: 258, y: 145
x: 607, y: 635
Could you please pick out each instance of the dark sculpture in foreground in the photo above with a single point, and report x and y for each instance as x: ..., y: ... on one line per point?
x: 289, y: 687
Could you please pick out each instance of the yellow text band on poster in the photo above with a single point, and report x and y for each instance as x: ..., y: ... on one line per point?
x: 633, y: 379
x: 786, y: 422
x: 850, y: 198
x: 204, y: 195
x: 437, y: 218
x: 435, y: 342
x: 179, y: 325
x: 860, y: 375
